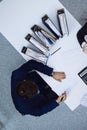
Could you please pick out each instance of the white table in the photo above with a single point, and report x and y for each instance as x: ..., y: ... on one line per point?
x: 16, y: 19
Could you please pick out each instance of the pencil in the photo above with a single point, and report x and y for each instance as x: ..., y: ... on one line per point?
x: 56, y: 51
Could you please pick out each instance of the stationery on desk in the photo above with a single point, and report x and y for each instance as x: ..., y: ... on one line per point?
x: 62, y: 21
x: 47, y: 40
x: 25, y: 22
x: 51, y: 26
x: 35, y: 55
x: 43, y: 35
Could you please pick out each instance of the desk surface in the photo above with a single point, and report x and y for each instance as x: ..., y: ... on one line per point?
x: 16, y: 19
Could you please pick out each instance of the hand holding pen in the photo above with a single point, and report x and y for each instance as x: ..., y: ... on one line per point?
x: 61, y: 98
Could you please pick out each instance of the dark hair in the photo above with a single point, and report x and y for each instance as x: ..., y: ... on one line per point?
x: 26, y: 89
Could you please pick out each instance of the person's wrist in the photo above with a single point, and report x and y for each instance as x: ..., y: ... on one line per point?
x: 83, y: 44
x: 85, y: 48
x: 58, y: 100
x: 52, y: 73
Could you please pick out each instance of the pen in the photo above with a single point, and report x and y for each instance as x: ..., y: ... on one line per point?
x: 61, y: 99
x: 63, y: 96
x: 56, y: 51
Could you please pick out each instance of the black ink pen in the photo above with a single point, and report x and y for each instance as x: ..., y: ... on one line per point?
x: 56, y: 51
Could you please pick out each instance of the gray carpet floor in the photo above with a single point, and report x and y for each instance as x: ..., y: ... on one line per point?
x: 77, y: 8
x: 60, y: 118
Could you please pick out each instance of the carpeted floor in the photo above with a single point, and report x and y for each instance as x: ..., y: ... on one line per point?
x: 77, y: 8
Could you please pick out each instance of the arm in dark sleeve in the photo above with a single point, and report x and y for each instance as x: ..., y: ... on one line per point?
x: 34, y: 65
x: 39, y: 106
x: 81, y: 33
x: 43, y: 110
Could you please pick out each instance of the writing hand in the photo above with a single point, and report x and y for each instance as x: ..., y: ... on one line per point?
x: 61, y: 98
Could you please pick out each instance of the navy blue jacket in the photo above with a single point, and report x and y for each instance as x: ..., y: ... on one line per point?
x: 81, y: 33
x: 42, y: 102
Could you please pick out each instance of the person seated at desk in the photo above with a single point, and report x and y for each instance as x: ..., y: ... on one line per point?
x: 82, y: 37
x: 30, y: 93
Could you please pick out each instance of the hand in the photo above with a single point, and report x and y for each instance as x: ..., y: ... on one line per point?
x: 85, y: 48
x: 61, y: 98
x: 59, y: 76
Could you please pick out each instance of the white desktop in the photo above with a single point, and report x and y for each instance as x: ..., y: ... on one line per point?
x: 17, y: 17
